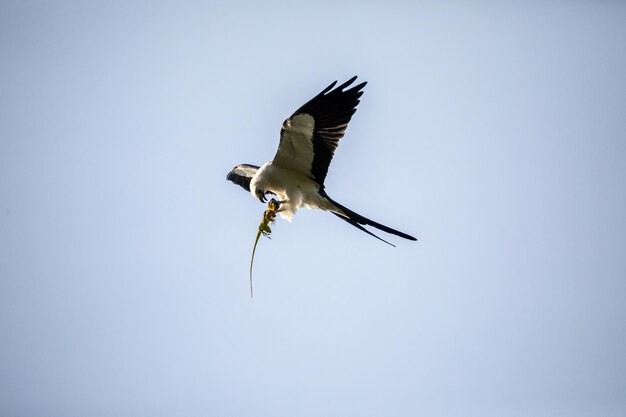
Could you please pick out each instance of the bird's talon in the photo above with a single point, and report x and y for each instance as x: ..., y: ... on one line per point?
x: 276, y: 206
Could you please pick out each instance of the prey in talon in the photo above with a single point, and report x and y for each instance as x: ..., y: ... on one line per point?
x: 269, y: 217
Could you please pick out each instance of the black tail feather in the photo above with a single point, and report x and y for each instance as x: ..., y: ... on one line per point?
x: 358, y: 226
x: 356, y: 220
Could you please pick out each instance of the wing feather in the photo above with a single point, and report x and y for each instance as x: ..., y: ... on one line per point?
x: 311, y: 135
x: 242, y: 175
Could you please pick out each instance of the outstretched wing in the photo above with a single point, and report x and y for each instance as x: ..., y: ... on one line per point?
x: 242, y: 174
x: 310, y: 136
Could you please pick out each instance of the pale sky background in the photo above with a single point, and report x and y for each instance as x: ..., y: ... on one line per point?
x: 495, y: 133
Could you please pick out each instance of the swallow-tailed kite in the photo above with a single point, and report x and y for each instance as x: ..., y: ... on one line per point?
x: 308, y: 140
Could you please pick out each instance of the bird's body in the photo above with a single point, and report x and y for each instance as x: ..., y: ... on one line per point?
x: 294, y: 189
x: 307, y: 143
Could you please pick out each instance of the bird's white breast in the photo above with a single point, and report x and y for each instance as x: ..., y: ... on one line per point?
x: 291, y: 187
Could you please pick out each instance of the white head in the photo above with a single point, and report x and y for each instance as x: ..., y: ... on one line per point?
x: 257, y: 186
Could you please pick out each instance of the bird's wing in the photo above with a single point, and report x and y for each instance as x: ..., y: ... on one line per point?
x: 310, y: 136
x: 242, y: 174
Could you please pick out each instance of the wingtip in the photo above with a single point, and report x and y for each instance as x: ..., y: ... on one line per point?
x: 327, y: 89
x: 242, y: 174
x: 343, y: 86
x: 347, y: 83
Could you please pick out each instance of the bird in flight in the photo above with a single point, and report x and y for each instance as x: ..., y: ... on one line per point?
x: 308, y: 140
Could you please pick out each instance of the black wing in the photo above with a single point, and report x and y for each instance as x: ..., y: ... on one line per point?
x: 311, y: 135
x: 242, y: 175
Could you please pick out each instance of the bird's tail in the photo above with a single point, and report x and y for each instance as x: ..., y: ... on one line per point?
x: 358, y: 221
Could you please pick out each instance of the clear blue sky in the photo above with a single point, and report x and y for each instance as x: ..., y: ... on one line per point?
x: 495, y: 133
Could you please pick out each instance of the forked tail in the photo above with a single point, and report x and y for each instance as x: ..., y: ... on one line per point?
x: 358, y: 221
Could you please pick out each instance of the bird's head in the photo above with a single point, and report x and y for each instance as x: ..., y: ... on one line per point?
x: 258, y: 190
x: 260, y: 194
x: 259, y: 185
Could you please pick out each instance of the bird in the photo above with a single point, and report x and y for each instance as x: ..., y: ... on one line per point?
x: 308, y: 140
